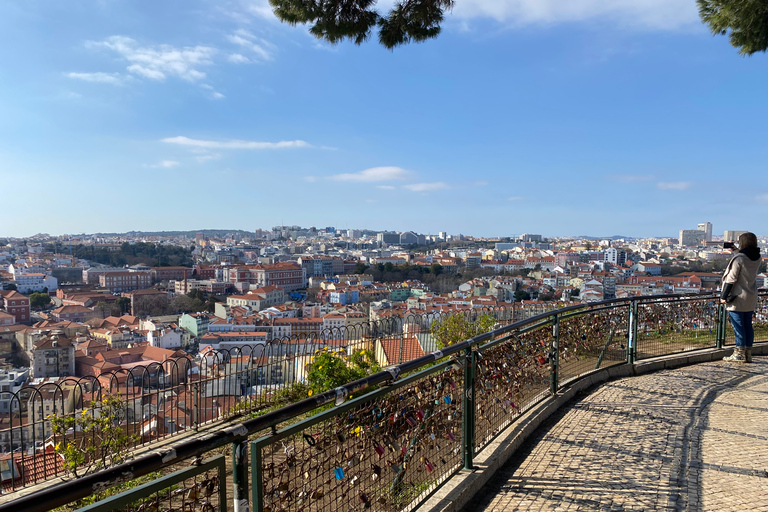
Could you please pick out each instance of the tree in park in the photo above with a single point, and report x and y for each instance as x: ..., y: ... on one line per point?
x: 744, y: 21
x: 522, y: 295
x: 418, y: 20
x: 124, y: 303
x: 38, y: 300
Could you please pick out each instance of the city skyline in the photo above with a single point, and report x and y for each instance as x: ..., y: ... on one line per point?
x: 628, y: 119
x: 343, y: 229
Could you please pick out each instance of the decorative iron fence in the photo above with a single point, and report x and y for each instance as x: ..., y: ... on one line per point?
x: 392, y: 437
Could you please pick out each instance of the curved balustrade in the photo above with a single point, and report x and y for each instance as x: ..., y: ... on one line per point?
x: 389, y: 448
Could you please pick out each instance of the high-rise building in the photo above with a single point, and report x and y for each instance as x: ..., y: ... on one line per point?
x: 616, y: 256
x: 691, y: 237
x: 732, y: 236
x: 706, y: 227
x: 388, y: 237
x: 527, y: 237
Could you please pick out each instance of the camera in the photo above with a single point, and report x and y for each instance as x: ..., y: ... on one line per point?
x: 728, y: 245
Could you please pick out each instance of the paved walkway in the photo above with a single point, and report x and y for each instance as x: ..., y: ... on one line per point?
x: 694, y: 438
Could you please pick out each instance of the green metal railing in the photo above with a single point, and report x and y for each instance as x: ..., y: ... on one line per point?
x: 390, y: 439
x: 199, y: 488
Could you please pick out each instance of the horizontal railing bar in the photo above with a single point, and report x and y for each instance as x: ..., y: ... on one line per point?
x: 149, y: 488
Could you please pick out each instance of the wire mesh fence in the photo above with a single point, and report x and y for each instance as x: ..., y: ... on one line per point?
x: 592, y: 339
x: 511, y: 376
x: 671, y: 325
x: 198, y: 489
x: 385, y: 449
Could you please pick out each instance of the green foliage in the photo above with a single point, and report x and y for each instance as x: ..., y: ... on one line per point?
x: 291, y: 394
x: 92, y: 439
x: 124, y: 303
x: 196, y: 294
x: 38, y: 300
x: 746, y: 20
x: 355, y: 20
x: 457, y: 328
x: 360, y: 268
x: 186, y: 304
x: 210, y: 306
x: 522, y: 295
x: 330, y: 370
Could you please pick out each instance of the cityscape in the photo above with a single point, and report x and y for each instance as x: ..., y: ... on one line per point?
x: 92, y: 306
x: 296, y: 256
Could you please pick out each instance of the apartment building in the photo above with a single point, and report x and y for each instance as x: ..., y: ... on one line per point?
x: 125, y: 281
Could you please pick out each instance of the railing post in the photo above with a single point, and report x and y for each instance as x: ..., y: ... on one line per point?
x: 468, y: 404
x: 632, y: 328
x: 554, y: 356
x: 239, y: 476
x: 256, y: 481
x: 195, y: 401
x: 720, y: 324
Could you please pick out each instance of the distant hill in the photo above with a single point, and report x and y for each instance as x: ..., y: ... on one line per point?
x: 216, y: 233
x: 614, y: 237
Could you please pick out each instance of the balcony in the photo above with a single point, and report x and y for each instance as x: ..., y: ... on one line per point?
x: 429, y: 432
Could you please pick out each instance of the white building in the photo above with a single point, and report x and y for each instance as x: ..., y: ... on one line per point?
x: 706, y: 227
x: 34, y: 282
x: 165, y: 337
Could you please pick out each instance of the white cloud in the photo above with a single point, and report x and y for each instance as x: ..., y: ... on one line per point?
x: 206, y: 157
x: 236, y: 144
x: 653, y: 14
x: 260, y: 8
x: 214, y: 94
x: 385, y: 187
x: 161, y: 61
x: 260, y: 47
x: 426, y: 187
x: 374, y: 174
x: 515, y: 198
x: 237, y: 58
x: 629, y: 178
x: 165, y: 164
x: 98, y: 77
x: 674, y: 185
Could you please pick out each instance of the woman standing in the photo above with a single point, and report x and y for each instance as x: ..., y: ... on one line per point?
x: 740, y: 295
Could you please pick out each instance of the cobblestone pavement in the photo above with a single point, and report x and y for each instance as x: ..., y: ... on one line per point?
x: 693, y: 438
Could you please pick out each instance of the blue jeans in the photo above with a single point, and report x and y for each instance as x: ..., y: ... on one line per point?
x: 742, y: 328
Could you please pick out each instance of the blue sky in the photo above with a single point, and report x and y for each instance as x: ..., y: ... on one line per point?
x: 599, y: 117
